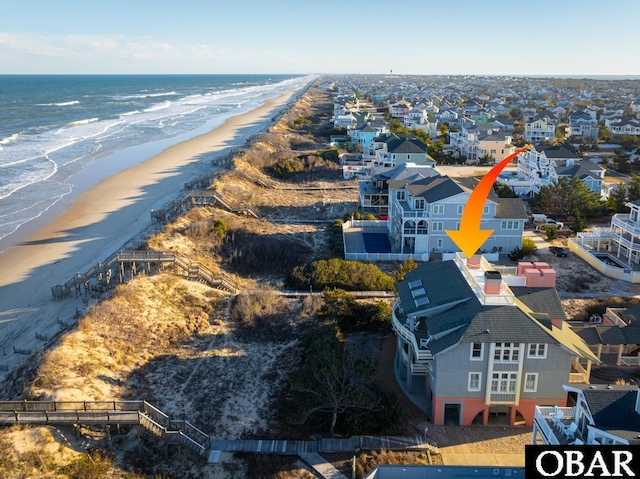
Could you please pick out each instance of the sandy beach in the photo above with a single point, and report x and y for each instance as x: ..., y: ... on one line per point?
x: 98, y: 223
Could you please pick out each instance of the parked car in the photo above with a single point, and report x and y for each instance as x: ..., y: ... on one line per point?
x: 549, y: 222
x: 561, y: 252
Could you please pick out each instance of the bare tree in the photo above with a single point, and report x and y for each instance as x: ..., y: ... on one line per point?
x: 333, y: 378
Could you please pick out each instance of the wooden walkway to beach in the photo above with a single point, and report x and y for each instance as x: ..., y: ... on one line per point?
x: 155, y: 423
x: 354, y: 443
x: 146, y: 417
x: 127, y: 264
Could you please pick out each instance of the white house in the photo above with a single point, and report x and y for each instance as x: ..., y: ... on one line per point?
x: 541, y: 128
x: 595, y: 415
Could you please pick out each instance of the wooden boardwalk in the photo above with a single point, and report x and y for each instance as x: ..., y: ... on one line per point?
x: 127, y: 264
x: 107, y: 413
x: 354, y: 443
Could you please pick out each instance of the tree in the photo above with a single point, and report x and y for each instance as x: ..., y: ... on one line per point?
x: 628, y: 142
x: 634, y: 187
x: 618, y: 198
x: 504, y: 191
x: 622, y: 161
x: 604, y: 134
x: 333, y: 379
x: 582, y: 199
x: 404, y: 268
x: 485, y: 159
x: 578, y: 224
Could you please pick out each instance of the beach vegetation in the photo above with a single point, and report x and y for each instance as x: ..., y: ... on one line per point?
x: 350, y: 315
x: 339, y: 273
x: 262, y: 314
x: 250, y: 253
x: 286, y: 168
x: 337, y: 239
x: 408, y: 265
x: 333, y: 378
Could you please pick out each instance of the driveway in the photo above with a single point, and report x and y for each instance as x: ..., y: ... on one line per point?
x: 543, y: 246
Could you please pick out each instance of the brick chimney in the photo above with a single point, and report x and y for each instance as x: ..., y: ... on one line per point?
x: 537, y: 275
x: 557, y: 322
x: 492, y: 282
x: 473, y: 262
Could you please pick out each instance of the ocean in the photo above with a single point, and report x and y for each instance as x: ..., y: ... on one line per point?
x: 53, y: 127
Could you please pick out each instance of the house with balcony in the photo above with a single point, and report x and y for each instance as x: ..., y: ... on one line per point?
x: 392, y: 150
x: 477, y: 341
x: 543, y: 164
x: 364, y: 136
x: 421, y: 210
x: 593, y: 415
x: 621, y: 239
x: 620, y: 125
x: 583, y: 125
x: 540, y: 128
x: 373, y: 194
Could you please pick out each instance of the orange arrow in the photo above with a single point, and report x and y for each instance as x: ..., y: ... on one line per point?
x: 470, y: 237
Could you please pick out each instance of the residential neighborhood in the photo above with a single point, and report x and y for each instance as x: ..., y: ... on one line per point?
x: 480, y: 339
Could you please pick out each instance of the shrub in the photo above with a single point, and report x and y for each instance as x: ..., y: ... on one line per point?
x: 356, y: 215
x: 528, y: 246
x: 551, y: 232
x: 286, y: 168
x: 516, y: 254
x: 342, y: 307
x: 250, y: 253
x: 339, y: 273
x: 263, y: 313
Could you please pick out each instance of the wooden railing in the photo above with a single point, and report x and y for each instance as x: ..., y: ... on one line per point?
x: 141, y: 413
x: 101, y: 276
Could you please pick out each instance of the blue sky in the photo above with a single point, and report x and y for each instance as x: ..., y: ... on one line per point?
x: 539, y: 37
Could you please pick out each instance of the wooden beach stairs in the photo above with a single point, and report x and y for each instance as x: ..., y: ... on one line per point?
x: 198, y: 198
x: 125, y: 264
x: 152, y: 422
x: 147, y: 418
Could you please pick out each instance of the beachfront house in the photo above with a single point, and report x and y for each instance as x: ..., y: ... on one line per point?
x: 373, y: 194
x: 477, y: 342
x: 594, y: 415
x: 422, y: 209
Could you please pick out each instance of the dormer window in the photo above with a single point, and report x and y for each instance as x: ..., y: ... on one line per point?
x: 400, y: 195
x: 634, y: 215
x: 419, y: 202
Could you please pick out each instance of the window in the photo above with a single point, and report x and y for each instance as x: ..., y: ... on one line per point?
x: 458, y: 226
x: 437, y: 226
x: 476, y: 351
x: 509, y: 225
x: 460, y: 209
x: 485, y: 210
x: 400, y: 195
x: 475, y: 380
x: 419, y: 204
x: 634, y: 215
x: 506, y: 352
x: 537, y: 351
x: 504, y: 383
x: 531, y: 382
x: 439, y: 243
x: 438, y: 209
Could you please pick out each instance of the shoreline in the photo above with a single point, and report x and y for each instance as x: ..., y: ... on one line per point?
x: 98, y: 222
